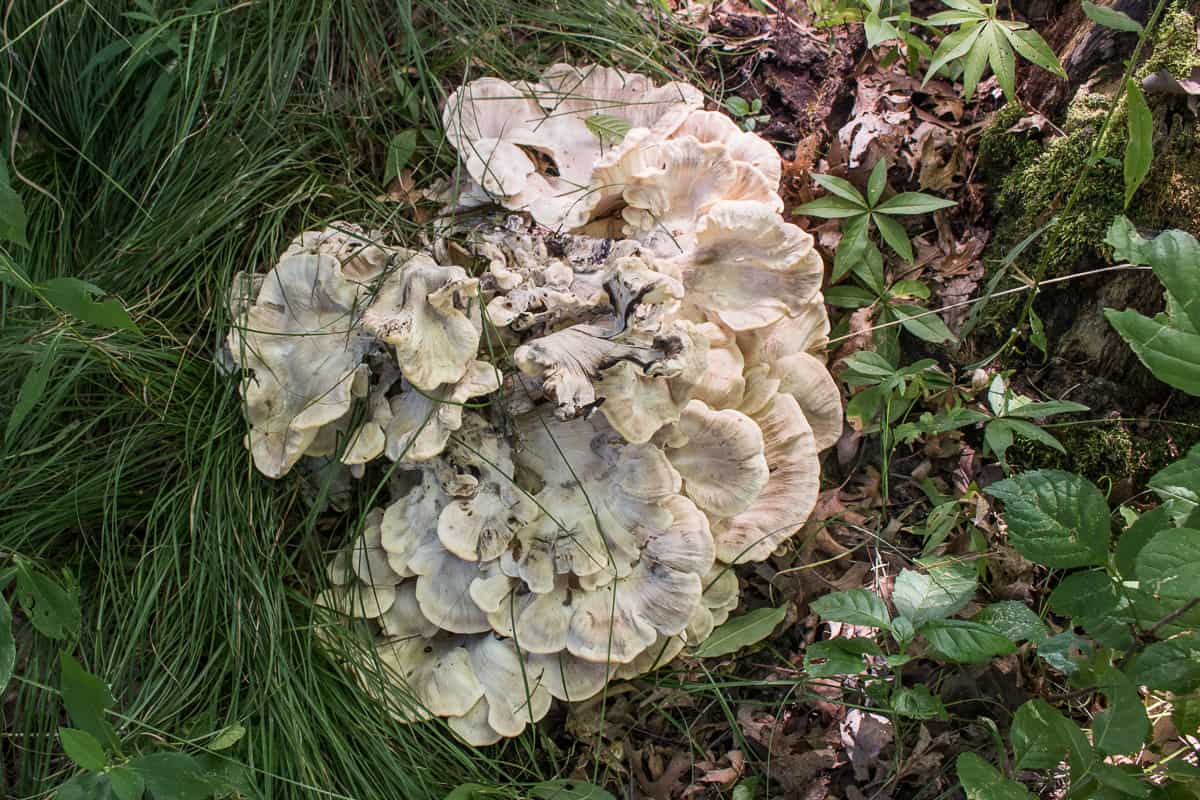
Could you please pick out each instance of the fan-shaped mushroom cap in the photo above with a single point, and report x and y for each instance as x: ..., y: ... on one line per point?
x: 423, y: 420
x: 712, y: 126
x: 488, y: 121
x: 513, y: 695
x: 720, y: 458
x: 662, y: 651
x: 404, y: 620
x: 806, y: 330
x: 301, y: 343
x: 569, y: 678
x: 749, y: 267
x: 369, y: 560
x: 723, y: 384
x: 360, y: 254
x: 790, y: 493
x: 807, y: 379
x: 424, y: 310
x: 436, y: 672
x: 444, y: 589
x: 411, y: 521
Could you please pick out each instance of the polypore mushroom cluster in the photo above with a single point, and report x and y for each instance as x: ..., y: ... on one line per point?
x: 623, y: 395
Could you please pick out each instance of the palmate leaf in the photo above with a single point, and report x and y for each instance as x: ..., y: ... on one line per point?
x: 1111, y: 18
x: 831, y: 208
x: 1002, y: 59
x: 894, y: 234
x: 1033, y: 48
x: 954, y: 46
x: 912, y: 203
x: 842, y: 188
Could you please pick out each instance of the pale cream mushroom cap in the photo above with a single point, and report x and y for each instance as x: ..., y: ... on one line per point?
x: 750, y: 268
x: 422, y: 421
x: 410, y: 521
x: 720, y: 458
x: 488, y: 121
x: 662, y: 651
x: 436, y: 673
x: 806, y: 378
x: 444, y: 588
x: 713, y: 126
x: 359, y: 253
x: 302, y: 346
x: 404, y: 620
x: 571, y: 679
x: 723, y: 384
x: 368, y: 559
x: 790, y: 494
x: 512, y: 690
x: 424, y: 310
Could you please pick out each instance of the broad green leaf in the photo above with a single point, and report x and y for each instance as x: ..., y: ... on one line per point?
x: 739, y: 632
x: 973, y: 66
x: 52, y: 609
x: 8, y: 645
x: 894, y: 234
x: 83, y: 749
x: 86, y: 697
x: 1046, y: 408
x: 964, y: 642
x: 1186, y: 714
x: 1037, y: 332
x: 32, y: 389
x: 607, y: 128
x: 970, y: 6
x: 1126, y: 242
x: 1125, y: 779
x: 854, y: 245
x: 922, y: 323
x: 1111, y: 18
x: 1002, y: 59
x: 1139, y: 152
x: 913, y: 203
x: 953, y: 46
x: 1173, y: 665
x: 737, y: 105
x: 1013, y: 619
x: 402, y: 146
x: 1168, y: 566
x: 1036, y: 739
x: 843, y: 296
x: 942, y: 589
x: 1027, y: 430
x: 126, y: 783
x: 909, y: 288
x: 174, y: 776
x: 1135, y: 537
x: 877, y: 181
x: 842, y: 188
x: 1033, y: 48
x: 568, y: 790
x: 878, y: 30
x: 904, y: 630
x: 830, y: 208
x: 855, y: 606
x: 76, y: 298
x: 12, y: 211
x: 1122, y: 727
x: 1167, y: 352
x: 1178, y: 486
x: 1175, y: 257
x: 955, y: 17
x: 918, y: 702
x: 838, y: 657
x: 870, y: 270
x: 227, y: 738
x: 998, y: 437
x: 1055, y: 518
x: 1095, y: 601
x: 981, y: 781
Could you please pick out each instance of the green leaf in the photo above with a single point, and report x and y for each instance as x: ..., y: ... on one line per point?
x: 1173, y: 665
x: 1111, y: 18
x: 838, y: 656
x: 1033, y: 48
x: 75, y: 298
x: 52, y: 609
x: 1135, y: 537
x: 1064, y: 651
x: 737, y: 106
x: 83, y: 749
x: 402, y: 146
x: 842, y: 188
x: 126, y: 783
x: 1175, y: 257
x: 466, y: 791
x: 909, y: 288
x: 1139, y: 152
x: 1178, y: 485
x: 1186, y: 714
x: 1168, y: 566
x: 913, y: 203
x: 1126, y: 242
x: 953, y: 46
x: 12, y: 211
x: 1027, y: 430
x: 941, y: 590
x: 32, y: 389
x: 918, y: 702
x: 854, y: 245
x: 739, y: 632
x: 85, y: 786
x: 1124, y: 779
x: 981, y: 781
x: 1002, y: 59
x: 894, y: 234
x: 1055, y: 518
x: 877, y: 181
x: 1046, y: 408
x: 607, y: 128
x: 1037, y: 332
x: 964, y: 642
x: 973, y: 66
x: 829, y: 208
x: 1122, y: 727
x: 870, y: 270
x: 175, y: 776
x: 1166, y: 351
x: 1014, y: 620
x: 86, y: 697
x: 922, y: 323
x: 1036, y: 741
x: 227, y: 738
x: 1095, y: 601
x: 843, y: 296
x: 856, y: 607
x: 568, y: 790
x: 878, y: 30
x: 8, y: 645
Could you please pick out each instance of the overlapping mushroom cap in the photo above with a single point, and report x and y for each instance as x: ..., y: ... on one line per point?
x: 622, y: 401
